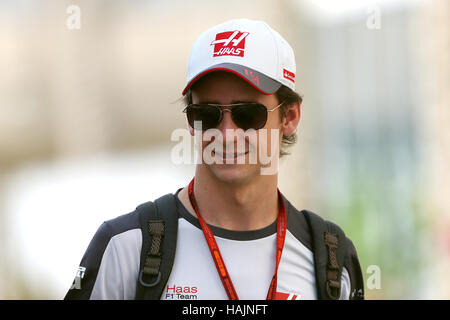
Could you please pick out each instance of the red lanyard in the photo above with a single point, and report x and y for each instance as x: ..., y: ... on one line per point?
x: 217, y: 257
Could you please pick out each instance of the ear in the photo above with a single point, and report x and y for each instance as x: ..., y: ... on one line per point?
x: 191, y: 130
x: 291, y: 118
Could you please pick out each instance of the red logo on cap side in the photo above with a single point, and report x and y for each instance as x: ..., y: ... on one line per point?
x: 289, y: 75
x: 230, y: 43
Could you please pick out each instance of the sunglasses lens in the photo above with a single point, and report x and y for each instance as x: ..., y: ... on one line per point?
x: 251, y: 116
x: 246, y: 116
x: 208, y: 115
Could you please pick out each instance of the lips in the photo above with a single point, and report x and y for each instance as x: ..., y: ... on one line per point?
x: 229, y: 156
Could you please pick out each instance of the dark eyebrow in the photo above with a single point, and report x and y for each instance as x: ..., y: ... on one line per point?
x: 208, y: 102
x: 243, y: 101
x: 232, y: 102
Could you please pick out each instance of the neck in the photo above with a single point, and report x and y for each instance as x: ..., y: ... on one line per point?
x: 249, y: 205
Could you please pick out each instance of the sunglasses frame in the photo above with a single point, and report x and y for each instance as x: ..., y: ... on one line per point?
x: 229, y: 108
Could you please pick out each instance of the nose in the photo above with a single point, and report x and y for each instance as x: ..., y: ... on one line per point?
x: 227, y: 122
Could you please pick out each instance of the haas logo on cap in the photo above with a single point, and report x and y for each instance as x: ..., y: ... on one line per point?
x: 230, y: 43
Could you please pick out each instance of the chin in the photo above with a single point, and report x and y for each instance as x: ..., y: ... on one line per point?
x: 234, y: 173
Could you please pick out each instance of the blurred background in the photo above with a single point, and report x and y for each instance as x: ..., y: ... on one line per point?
x: 89, y: 97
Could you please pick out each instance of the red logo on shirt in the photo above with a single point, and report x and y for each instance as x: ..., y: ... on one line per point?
x: 180, y: 289
x: 287, y: 296
x: 230, y: 43
x: 180, y: 292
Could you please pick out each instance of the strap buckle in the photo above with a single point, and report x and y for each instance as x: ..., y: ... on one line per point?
x: 146, y: 284
x: 333, y: 289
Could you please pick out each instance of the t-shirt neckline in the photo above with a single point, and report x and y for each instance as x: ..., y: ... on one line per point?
x: 249, y: 235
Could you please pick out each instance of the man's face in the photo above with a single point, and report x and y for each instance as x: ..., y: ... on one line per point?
x: 225, y: 88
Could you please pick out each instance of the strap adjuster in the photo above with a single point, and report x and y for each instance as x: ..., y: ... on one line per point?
x: 152, y: 284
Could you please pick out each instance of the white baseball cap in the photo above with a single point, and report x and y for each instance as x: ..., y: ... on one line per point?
x: 248, y: 48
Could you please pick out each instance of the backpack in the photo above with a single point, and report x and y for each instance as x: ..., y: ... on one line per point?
x: 159, y: 226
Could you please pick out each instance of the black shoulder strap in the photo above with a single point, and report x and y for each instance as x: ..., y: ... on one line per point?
x: 329, y: 248
x: 159, y: 226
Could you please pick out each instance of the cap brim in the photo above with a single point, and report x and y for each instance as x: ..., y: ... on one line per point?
x: 259, y: 81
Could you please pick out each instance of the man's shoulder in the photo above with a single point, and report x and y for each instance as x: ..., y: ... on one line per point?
x: 115, y: 226
x: 109, y: 245
x: 132, y: 220
x: 298, y: 225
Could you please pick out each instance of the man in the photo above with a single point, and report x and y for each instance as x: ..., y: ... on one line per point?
x: 238, y: 237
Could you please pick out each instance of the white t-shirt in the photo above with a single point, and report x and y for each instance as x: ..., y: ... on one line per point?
x: 111, y: 263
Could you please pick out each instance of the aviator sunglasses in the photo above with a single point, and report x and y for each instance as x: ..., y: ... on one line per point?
x: 245, y: 115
